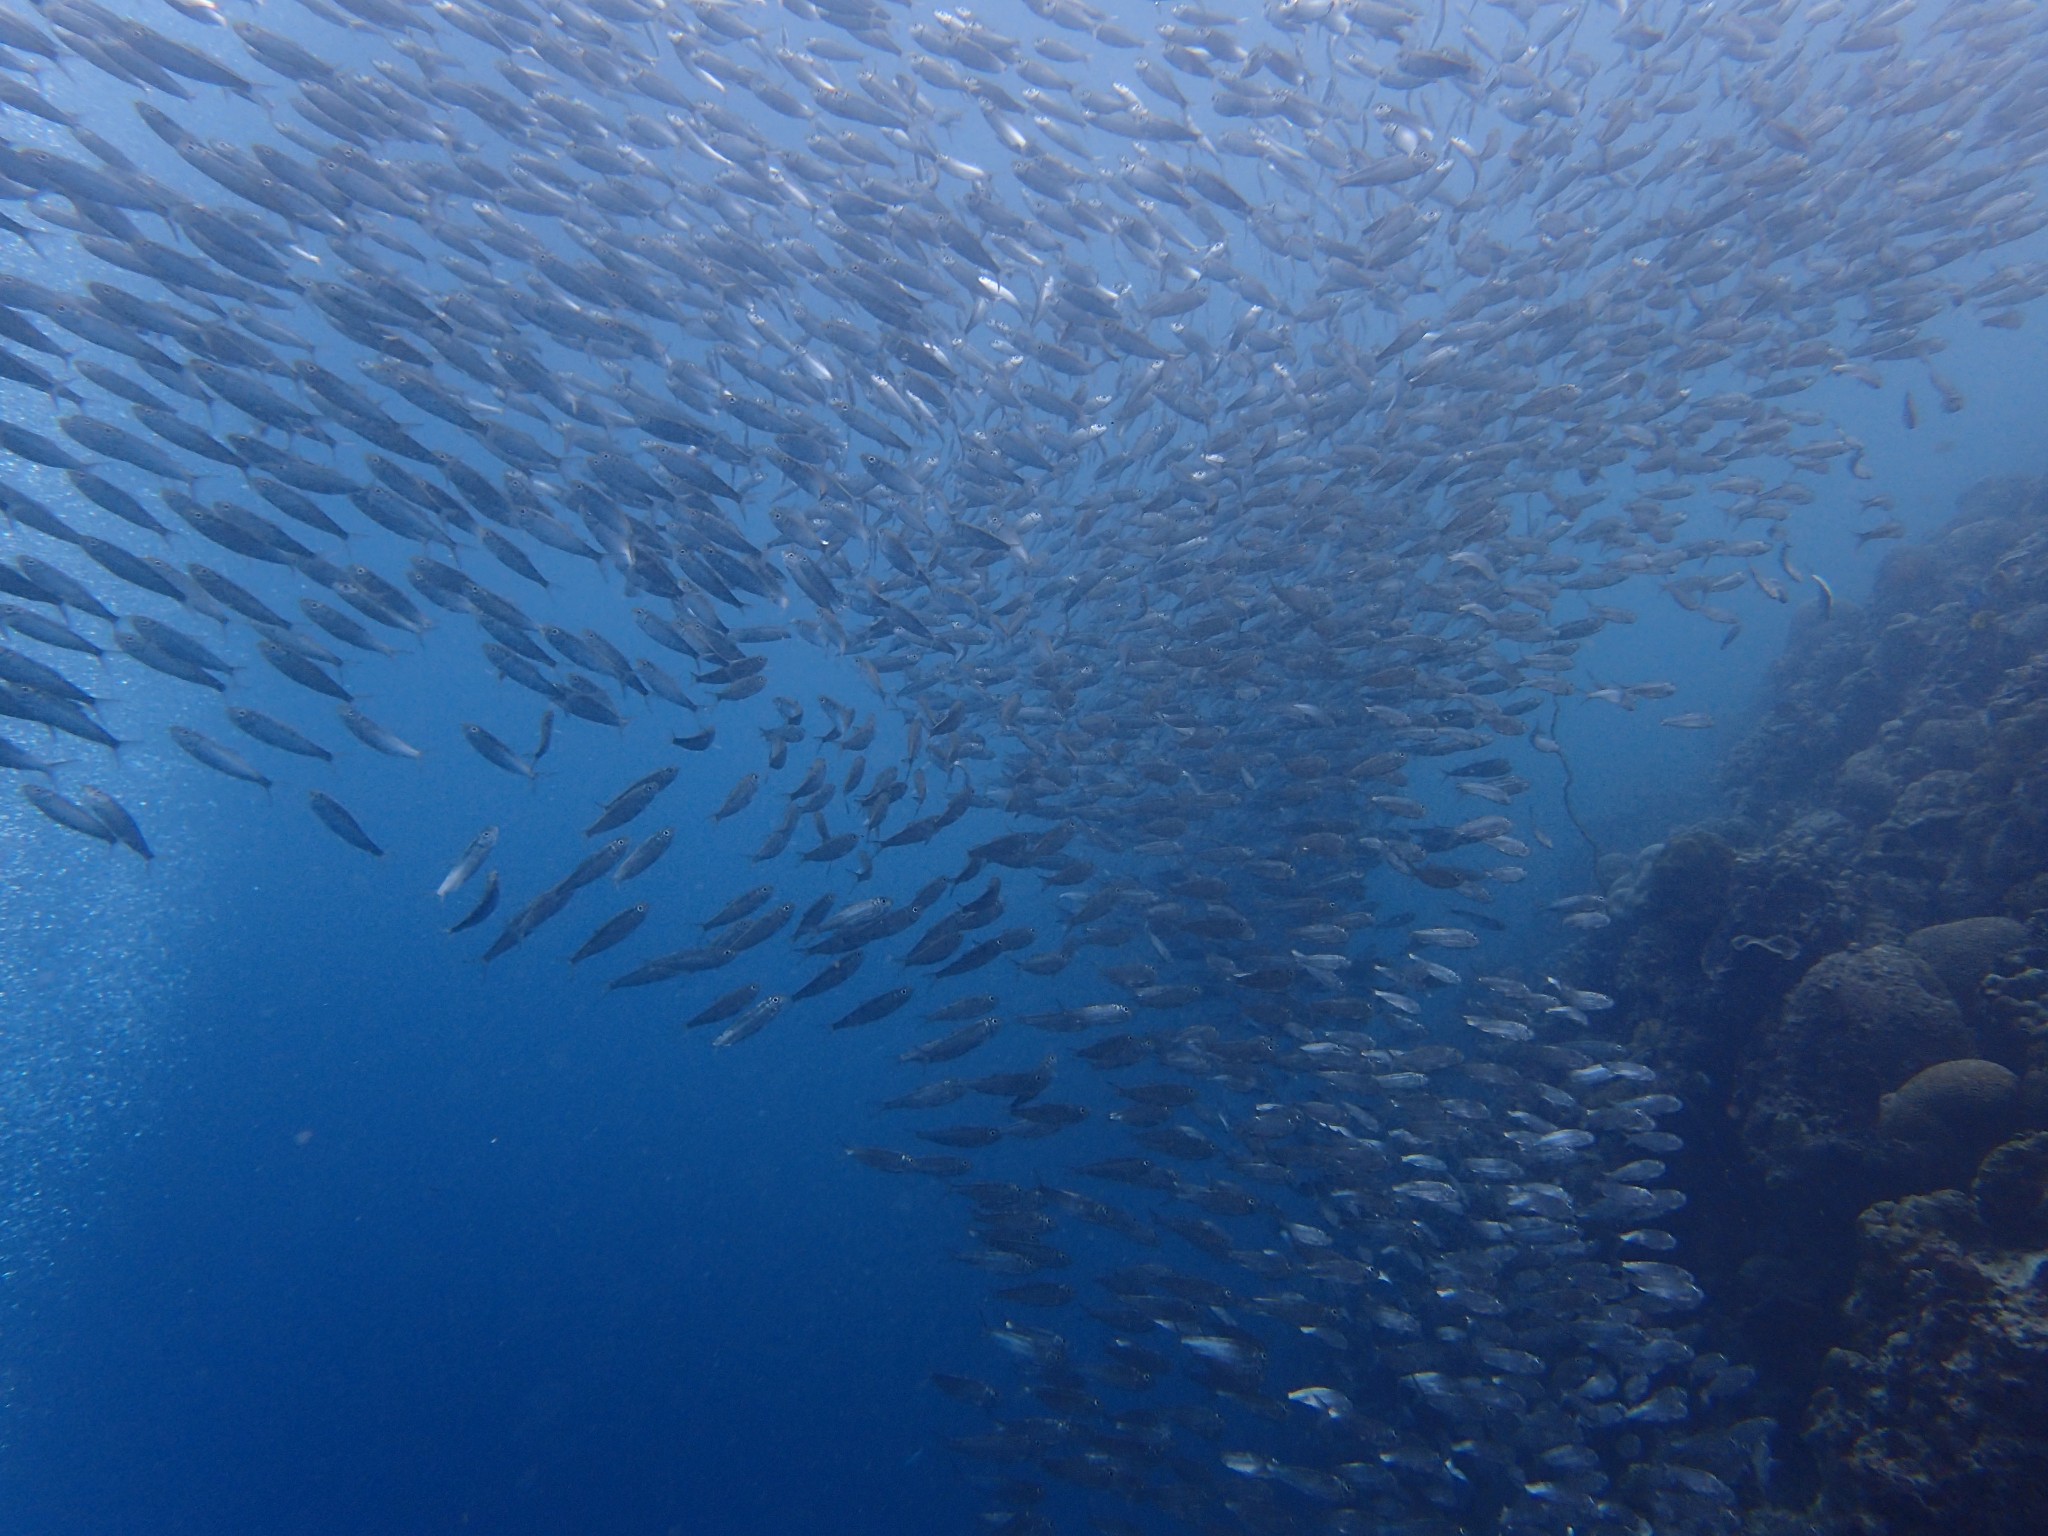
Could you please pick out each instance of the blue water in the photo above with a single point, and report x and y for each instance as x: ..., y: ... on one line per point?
x: 378, y: 1241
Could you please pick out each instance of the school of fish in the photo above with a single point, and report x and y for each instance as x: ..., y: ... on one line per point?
x: 1204, y: 441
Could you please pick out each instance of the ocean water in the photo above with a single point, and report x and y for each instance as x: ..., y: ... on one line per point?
x: 312, y: 1222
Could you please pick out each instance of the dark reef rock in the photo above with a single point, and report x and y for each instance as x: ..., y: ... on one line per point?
x: 1846, y: 980
x: 1858, y: 1024
x: 1923, y: 718
x: 1933, y: 1416
x: 1687, y: 886
x: 1963, y: 953
x: 1866, y: 785
x: 2011, y: 1190
x: 1952, y: 1114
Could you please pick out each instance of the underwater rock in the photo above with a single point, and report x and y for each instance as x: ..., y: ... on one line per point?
x: 2013, y: 1024
x: 1923, y: 716
x: 1931, y: 1418
x: 2011, y: 1189
x: 1951, y: 741
x: 1898, y: 779
x: 1687, y: 885
x: 1953, y: 1111
x: 1858, y: 1023
x: 1963, y: 953
x: 1919, y: 836
x: 1866, y: 785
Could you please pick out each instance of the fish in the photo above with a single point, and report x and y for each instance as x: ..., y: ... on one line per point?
x: 645, y: 856
x: 375, y: 736
x: 472, y: 859
x: 343, y: 628
x: 613, y: 931
x: 221, y: 759
x: 521, y: 925
x: 59, y: 714
x: 495, y: 752
x: 951, y: 1047
x: 67, y: 813
x: 67, y: 591
x: 740, y: 797
x: 334, y: 816
x: 45, y: 630
x: 1327, y: 1401
x: 595, y: 865
x: 302, y: 671
x: 751, y: 1021
x: 486, y: 904
x: 629, y: 802
x: 836, y: 974
x: 929, y: 1095
x: 116, y: 818
x: 1444, y: 938
x: 742, y: 905
x: 971, y: 1007
x: 883, y: 1159
x: 724, y: 1006
x: 681, y: 962
x: 875, y: 1008
x: 964, y: 1137
x: 758, y: 930
x: 275, y: 733
x: 14, y: 759
x: 26, y: 672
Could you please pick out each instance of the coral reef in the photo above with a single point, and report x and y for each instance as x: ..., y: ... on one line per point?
x: 1963, y: 953
x: 1959, y: 1109
x: 1859, y: 1023
x: 1846, y: 980
x: 1921, y: 721
x: 1933, y: 1416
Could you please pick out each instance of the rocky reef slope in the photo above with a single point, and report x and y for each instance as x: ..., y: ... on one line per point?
x: 1849, y: 978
